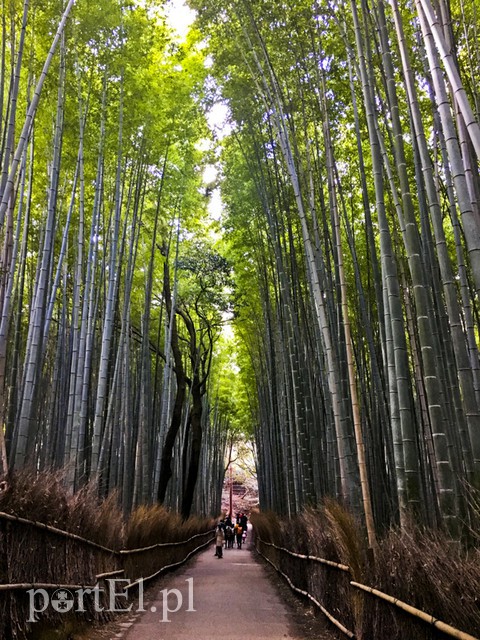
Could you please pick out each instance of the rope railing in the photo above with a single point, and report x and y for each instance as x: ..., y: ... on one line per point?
x: 413, y: 611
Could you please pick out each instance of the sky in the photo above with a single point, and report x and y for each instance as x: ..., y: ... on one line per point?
x: 179, y: 16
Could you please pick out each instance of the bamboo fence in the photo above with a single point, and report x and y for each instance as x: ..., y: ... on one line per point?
x: 426, y: 618
x: 34, y: 555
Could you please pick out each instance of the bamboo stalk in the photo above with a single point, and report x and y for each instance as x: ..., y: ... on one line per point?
x: 31, y: 114
x: 453, y: 74
x: 330, y: 563
x: 426, y: 617
x: 107, y: 574
x: 61, y: 532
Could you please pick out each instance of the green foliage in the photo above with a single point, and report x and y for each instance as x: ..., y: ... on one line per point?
x: 230, y: 387
x: 205, y: 278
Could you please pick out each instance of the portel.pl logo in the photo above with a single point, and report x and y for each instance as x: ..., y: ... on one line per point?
x: 64, y: 600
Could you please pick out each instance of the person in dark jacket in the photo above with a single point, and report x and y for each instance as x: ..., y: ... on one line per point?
x: 244, y: 522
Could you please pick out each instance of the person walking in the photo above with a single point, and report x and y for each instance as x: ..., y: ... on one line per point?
x: 238, y: 535
x: 219, y: 538
x: 244, y: 525
x: 229, y: 536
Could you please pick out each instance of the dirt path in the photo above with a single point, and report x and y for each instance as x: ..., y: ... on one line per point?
x: 229, y: 598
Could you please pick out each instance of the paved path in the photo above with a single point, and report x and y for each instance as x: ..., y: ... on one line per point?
x: 228, y: 599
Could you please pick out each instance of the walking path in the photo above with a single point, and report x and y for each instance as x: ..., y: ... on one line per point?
x: 228, y: 599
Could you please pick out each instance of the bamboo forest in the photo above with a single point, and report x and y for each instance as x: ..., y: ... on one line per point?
x: 244, y: 226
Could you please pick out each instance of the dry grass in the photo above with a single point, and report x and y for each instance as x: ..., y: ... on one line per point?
x: 42, y: 497
x: 432, y: 573
x: 423, y: 568
x: 268, y: 526
x: 151, y: 523
x: 148, y: 525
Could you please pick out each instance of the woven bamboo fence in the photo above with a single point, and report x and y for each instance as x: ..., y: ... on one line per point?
x: 327, y: 584
x: 38, y: 556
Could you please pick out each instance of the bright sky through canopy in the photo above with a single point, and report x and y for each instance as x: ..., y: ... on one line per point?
x: 179, y: 16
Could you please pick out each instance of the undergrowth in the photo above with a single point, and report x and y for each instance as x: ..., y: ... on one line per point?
x: 422, y: 567
x: 42, y: 497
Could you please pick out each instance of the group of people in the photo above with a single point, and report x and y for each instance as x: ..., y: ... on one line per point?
x: 228, y: 533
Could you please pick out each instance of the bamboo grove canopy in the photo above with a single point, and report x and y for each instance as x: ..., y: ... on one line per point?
x: 346, y: 255
x: 351, y: 186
